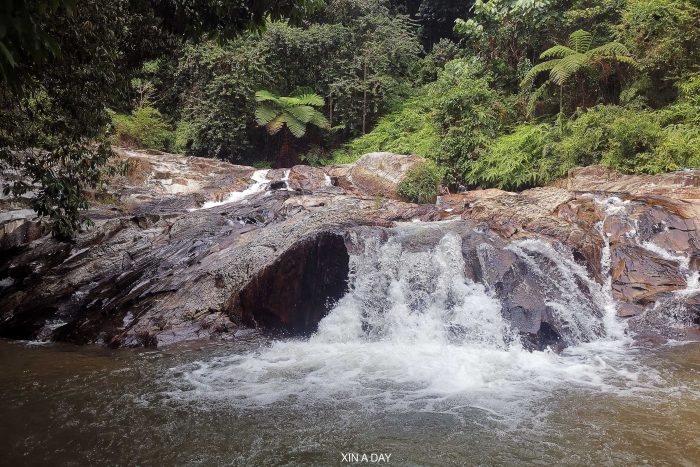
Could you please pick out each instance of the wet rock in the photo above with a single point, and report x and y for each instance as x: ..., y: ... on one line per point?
x: 155, y: 269
x: 296, y: 291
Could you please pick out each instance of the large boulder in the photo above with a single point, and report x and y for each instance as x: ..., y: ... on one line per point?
x: 379, y: 173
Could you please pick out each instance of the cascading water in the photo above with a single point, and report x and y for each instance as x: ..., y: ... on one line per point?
x: 413, y: 332
x: 260, y: 180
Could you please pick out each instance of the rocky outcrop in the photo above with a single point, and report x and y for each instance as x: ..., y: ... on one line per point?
x: 379, y: 173
x: 157, y: 269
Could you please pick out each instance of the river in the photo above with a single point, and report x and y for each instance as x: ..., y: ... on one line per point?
x: 416, y: 363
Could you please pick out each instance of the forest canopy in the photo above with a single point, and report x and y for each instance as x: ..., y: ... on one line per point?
x: 498, y: 93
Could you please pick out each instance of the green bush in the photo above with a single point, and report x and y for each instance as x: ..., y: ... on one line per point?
x: 183, y: 137
x: 144, y: 128
x: 664, y: 35
x: 450, y: 120
x: 517, y: 160
x: 407, y: 131
x: 421, y: 184
x: 633, y: 140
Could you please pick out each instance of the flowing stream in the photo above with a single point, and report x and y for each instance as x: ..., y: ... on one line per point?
x: 415, y: 360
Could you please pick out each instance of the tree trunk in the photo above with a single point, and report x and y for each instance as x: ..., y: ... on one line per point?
x: 364, y: 102
x: 286, y: 155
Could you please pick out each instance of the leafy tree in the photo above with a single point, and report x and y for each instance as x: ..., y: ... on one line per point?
x: 563, y: 63
x: 664, y: 35
x: 509, y: 34
x: 294, y: 113
x: 62, y: 62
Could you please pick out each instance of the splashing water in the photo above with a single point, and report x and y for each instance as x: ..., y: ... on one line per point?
x: 260, y: 180
x: 414, y: 333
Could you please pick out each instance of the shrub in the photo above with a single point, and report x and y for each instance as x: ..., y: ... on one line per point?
x: 184, y: 137
x: 421, y: 184
x: 450, y: 120
x: 517, y: 160
x: 407, y: 131
x: 633, y: 140
x: 665, y: 37
x: 144, y: 128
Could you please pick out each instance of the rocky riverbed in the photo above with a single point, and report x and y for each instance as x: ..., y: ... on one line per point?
x: 186, y: 248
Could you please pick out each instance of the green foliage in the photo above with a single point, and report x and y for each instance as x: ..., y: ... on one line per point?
x: 563, y: 63
x: 52, y: 129
x: 144, y: 128
x: 293, y: 112
x: 516, y: 161
x: 664, y: 35
x: 421, y: 184
x: 467, y: 112
x: 194, y: 18
x: 62, y: 63
x: 450, y: 120
x: 24, y: 36
x: 504, y: 33
x: 409, y: 130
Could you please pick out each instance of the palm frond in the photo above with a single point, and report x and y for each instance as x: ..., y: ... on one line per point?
x: 580, y: 40
x: 266, y: 96
x: 610, y: 49
x: 536, y: 70
x: 567, y: 67
x: 558, y: 51
x: 297, y: 127
x: 265, y: 114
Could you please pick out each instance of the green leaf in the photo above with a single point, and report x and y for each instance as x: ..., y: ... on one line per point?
x: 580, y: 40
x: 264, y: 96
x: 265, y: 114
x: 297, y: 127
x: 558, y: 51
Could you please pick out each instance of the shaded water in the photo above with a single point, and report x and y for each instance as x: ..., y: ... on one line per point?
x: 64, y: 405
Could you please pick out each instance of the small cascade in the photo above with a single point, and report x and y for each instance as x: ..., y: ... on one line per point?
x: 260, y: 180
x: 415, y: 332
x: 581, y: 310
x: 285, y: 179
x: 413, y: 297
x: 672, y: 307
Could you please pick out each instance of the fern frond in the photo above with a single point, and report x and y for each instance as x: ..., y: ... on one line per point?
x: 536, y: 96
x: 266, y: 96
x: 558, y: 51
x: 319, y: 120
x: 265, y: 114
x: 567, y: 67
x: 536, y: 70
x: 303, y: 113
x: 310, y: 99
x: 580, y: 40
x: 610, y: 49
x: 276, y: 125
x: 297, y: 127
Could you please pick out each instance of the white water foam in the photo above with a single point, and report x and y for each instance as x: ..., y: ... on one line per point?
x: 414, y: 333
x: 260, y: 180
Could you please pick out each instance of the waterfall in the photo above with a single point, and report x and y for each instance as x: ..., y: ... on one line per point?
x: 415, y: 297
x: 260, y: 181
x: 413, y: 331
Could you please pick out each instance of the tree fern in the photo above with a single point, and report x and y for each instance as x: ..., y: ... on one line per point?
x: 564, y: 62
x: 295, y: 112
